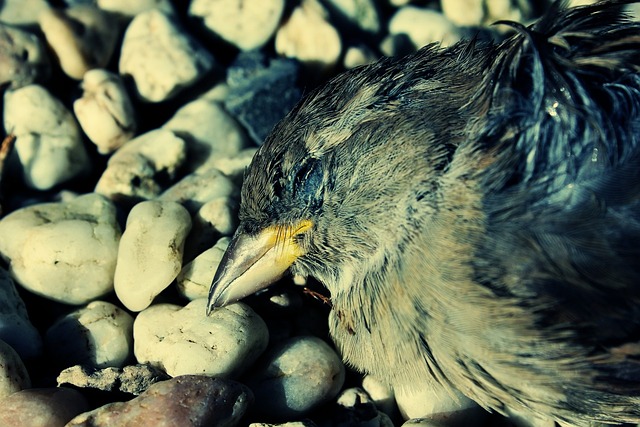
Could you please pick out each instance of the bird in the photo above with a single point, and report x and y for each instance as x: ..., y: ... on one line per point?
x: 473, y: 212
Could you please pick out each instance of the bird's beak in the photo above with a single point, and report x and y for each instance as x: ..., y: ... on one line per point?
x: 253, y: 262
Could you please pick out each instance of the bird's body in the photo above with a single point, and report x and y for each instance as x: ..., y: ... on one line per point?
x: 474, y: 213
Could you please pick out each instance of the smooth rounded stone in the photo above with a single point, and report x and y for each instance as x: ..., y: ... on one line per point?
x: 231, y: 166
x: 104, y: 111
x: 195, y: 278
x: 358, y: 410
x: 247, y: 24
x: 216, y: 218
x: 196, y: 189
x: 262, y: 91
x: 133, y: 379
x: 15, y: 327
x: 479, y: 12
x: 23, y: 57
x: 209, y: 130
x: 98, y: 335
x: 132, y: 8
x: 304, y: 423
x: 424, y: 26
x: 81, y: 36
x: 380, y: 394
x: 48, y: 147
x: 150, y: 252
x: 363, y: 13
x: 183, y: 340
x: 296, y: 376
x: 434, y: 402
x: 13, y: 374
x: 358, y: 55
x: 42, y: 407
x: 186, y: 401
x: 142, y: 167
x: 63, y: 251
x: 309, y: 37
x: 161, y: 58
x: 22, y: 12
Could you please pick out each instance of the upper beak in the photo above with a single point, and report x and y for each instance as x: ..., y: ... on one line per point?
x: 253, y: 262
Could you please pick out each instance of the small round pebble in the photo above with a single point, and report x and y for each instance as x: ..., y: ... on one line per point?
x: 150, y: 251
x: 381, y: 394
x: 423, y: 26
x: 186, y: 401
x: 434, y: 402
x: 63, y: 251
x: 247, y: 24
x: 183, y: 340
x: 23, y: 58
x: 161, y: 58
x: 296, y: 376
x: 81, y: 36
x: 143, y: 166
x: 358, y: 410
x: 363, y: 13
x: 48, y: 146
x: 133, y: 379
x: 309, y: 37
x: 132, y: 8
x: 104, y: 111
x: 194, y: 279
x: 216, y: 218
x: 98, y: 335
x: 15, y: 327
x: 41, y: 407
x: 13, y: 374
x: 196, y: 189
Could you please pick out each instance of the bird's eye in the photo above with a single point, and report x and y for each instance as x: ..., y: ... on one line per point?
x: 307, y: 182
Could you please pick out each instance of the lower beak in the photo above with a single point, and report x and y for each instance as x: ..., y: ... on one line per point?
x: 253, y: 262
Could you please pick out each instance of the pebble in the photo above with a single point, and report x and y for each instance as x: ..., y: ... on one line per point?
x: 23, y: 57
x: 309, y: 37
x: 143, y: 167
x: 186, y: 401
x: 22, y: 12
x: 195, y: 190
x: 97, y: 335
x: 82, y: 37
x: 246, y: 24
x: 262, y: 91
x: 150, y: 251
x: 478, y: 12
x: 132, y: 379
x: 209, y: 130
x: 231, y: 166
x: 63, y: 251
x: 104, y: 111
x: 48, y: 147
x: 161, y: 58
x: 195, y: 277
x: 216, y: 218
x: 296, y: 376
x: 13, y: 374
x: 15, y: 327
x: 41, y: 407
x: 423, y: 26
x: 183, y: 340
x: 381, y: 395
x: 356, y: 409
x: 362, y: 13
x: 132, y: 8
x: 434, y: 403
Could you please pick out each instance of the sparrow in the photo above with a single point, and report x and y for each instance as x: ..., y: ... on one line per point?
x: 474, y: 213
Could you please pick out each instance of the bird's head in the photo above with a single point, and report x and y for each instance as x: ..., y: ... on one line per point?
x: 335, y: 187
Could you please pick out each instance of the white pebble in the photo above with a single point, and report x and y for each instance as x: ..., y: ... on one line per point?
x: 23, y: 57
x: 309, y: 37
x: 99, y: 335
x: 231, y: 166
x: 82, y: 37
x: 150, y: 252
x: 132, y: 8
x: 133, y: 170
x: 63, y: 251
x: 196, y: 189
x: 247, y: 24
x: 296, y: 376
x: 161, y: 57
x: 363, y: 13
x: 464, y: 12
x: 381, y: 395
x: 15, y: 327
x: 195, y: 278
x: 217, y: 217
x: 13, y: 374
x: 423, y: 26
x: 48, y: 142
x: 104, y: 111
x: 22, y: 12
x: 429, y: 399
x: 210, y: 131
x: 183, y: 340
